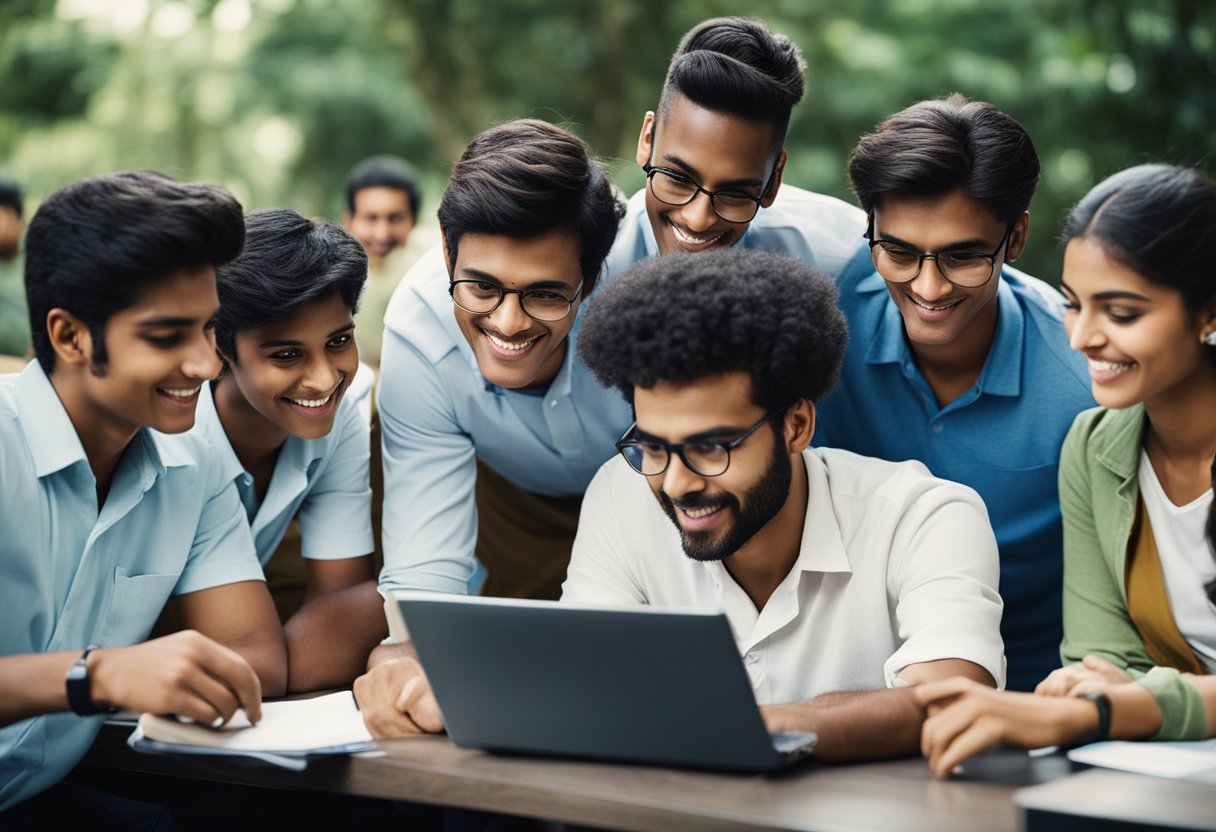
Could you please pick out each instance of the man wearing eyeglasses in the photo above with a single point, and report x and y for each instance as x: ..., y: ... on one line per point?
x: 958, y: 360
x: 714, y: 156
x: 845, y: 578
x: 491, y: 427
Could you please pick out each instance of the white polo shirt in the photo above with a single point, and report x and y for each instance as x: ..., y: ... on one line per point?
x: 896, y: 567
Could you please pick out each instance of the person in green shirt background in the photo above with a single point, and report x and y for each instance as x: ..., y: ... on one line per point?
x: 14, y: 320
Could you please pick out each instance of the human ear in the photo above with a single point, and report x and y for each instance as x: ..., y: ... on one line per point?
x: 770, y: 195
x: 799, y: 426
x: 1017, y: 237
x: 646, y: 139
x: 70, y: 338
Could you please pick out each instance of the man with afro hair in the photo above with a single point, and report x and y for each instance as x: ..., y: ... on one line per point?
x: 846, y: 579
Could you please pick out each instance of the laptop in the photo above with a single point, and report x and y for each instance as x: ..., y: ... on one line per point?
x: 636, y: 684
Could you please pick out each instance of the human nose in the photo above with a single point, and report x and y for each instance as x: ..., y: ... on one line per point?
x: 679, y: 479
x: 321, y: 375
x: 509, y: 317
x: 1083, y: 334
x: 931, y: 284
x: 698, y: 213
x: 202, y: 361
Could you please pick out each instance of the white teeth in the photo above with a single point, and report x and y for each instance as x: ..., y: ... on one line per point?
x: 936, y: 308
x: 696, y: 513
x: 690, y: 239
x: 1108, y: 366
x: 179, y: 393
x: 509, y: 345
x: 312, y: 402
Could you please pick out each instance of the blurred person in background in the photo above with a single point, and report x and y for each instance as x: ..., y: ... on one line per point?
x: 14, y: 320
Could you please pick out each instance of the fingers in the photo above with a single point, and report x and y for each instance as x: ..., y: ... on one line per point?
x: 417, y: 701
x: 228, y: 671
x: 930, y: 693
x: 1061, y: 680
x: 978, y: 736
x: 391, y: 697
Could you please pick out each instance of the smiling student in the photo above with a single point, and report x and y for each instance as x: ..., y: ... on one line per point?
x: 714, y: 157
x: 1136, y: 484
x: 845, y: 579
x: 289, y: 435
x: 491, y: 426
x: 958, y: 360
x: 105, y: 515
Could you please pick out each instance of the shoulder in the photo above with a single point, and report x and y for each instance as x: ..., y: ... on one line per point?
x: 870, y: 484
x: 1102, y: 429
x: 420, y: 310
x: 1042, y: 306
x: 821, y: 230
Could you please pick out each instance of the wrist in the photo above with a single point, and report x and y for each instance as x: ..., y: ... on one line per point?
x: 82, y: 690
x: 1100, y: 717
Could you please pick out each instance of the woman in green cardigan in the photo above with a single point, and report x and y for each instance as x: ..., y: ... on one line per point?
x: 1136, y: 484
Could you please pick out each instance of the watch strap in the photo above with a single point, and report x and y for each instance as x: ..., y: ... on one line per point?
x: 1102, y: 702
x: 80, y: 696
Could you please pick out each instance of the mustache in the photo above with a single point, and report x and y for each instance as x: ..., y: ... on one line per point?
x: 698, y: 499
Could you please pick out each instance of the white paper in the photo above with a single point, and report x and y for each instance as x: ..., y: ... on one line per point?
x: 1162, y: 759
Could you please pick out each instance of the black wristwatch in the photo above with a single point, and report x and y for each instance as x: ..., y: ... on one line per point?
x: 80, y: 698
x: 1102, y: 703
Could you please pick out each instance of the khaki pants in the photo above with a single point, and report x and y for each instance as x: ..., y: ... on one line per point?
x: 523, y: 539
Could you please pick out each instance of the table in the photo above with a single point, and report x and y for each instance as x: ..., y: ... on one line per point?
x: 896, y: 794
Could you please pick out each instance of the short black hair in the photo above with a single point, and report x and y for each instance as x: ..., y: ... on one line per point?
x: 684, y: 317
x: 525, y: 178
x: 384, y: 172
x: 10, y: 196
x: 738, y: 66
x: 289, y: 261
x: 941, y: 145
x: 92, y: 245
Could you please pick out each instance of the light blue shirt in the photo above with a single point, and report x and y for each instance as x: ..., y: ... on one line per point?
x: 325, y: 480
x: 438, y: 415
x: 1002, y: 437
x: 819, y: 230
x: 71, y: 576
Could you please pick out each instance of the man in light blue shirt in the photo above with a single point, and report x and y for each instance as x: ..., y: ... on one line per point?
x: 955, y: 359
x: 105, y: 519
x: 714, y: 157
x: 491, y: 427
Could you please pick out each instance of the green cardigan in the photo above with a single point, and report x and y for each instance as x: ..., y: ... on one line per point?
x: 1098, y: 493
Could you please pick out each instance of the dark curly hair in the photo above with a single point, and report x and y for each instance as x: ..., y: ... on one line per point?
x: 684, y: 317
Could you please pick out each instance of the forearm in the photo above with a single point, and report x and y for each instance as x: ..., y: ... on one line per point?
x: 855, y: 725
x: 34, y: 684
x: 387, y: 652
x: 329, y: 639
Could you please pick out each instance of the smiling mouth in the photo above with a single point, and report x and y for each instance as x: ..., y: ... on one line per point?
x: 179, y: 392
x: 941, y: 307
x: 512, y: 346
x: 312, y: 402
x: 698, y: 513
x: 1101, y: 369
x: 691, y: 239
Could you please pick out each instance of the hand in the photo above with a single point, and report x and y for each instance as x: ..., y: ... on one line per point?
x: 1092, y: 674
x: 967, y: 718
x: 396, y: 700
x: 185, y: 673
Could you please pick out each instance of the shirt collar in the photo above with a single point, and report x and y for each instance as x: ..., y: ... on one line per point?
x: 207, y: 423
x: 1002, y: 371
x: 822, y: 547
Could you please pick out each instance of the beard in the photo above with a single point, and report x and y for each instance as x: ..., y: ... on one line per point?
x: 759, y: 505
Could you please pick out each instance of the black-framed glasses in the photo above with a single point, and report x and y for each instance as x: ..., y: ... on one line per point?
x: 963, y: 268
x: 674, y: 188
x: 704, y: 457
x: 481, y: 297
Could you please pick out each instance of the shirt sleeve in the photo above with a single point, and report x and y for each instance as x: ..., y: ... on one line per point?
x: 430, y: 475
x: 601, y: 571
x: 336, y: 516
x: 1096, y: 619
x: 943, y: 578
x: 222, y: 551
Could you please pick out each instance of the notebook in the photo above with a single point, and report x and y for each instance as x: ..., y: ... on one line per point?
x: 637, y: 684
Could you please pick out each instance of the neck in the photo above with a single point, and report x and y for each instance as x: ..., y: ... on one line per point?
x: 254, y: 438
x: 1180, y: 421
x: 761, y: 564
x: 951, y: 369
x: 103, y: 437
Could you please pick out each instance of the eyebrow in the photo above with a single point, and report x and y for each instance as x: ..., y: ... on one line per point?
x: 171, y: 322
x: 972, y: 243
x: 1111, y: 295
x: 478, y: 274
x: 713, y: 433
x: 730, y: 183
x: 296, y: 343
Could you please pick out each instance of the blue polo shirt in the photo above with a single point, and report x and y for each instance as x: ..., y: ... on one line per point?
x: 324, y: 480
x: 1002, y: 437
x: 72, y: 576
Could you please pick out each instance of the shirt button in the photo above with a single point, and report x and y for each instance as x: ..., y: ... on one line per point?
x: 553, y: 403
x: 936, y: 427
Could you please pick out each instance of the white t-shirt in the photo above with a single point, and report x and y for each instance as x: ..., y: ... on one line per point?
x: 895, y: 568
x: 1186, y: 561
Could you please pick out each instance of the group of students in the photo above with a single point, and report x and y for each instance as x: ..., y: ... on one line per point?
x: 616, y: 403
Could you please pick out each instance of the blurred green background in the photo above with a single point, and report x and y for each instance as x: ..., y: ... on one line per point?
x: 277, y: 99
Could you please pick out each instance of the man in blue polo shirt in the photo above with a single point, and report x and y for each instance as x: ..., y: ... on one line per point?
x: 956, y: 359
x: 714, y: 155
x: 105, y: 518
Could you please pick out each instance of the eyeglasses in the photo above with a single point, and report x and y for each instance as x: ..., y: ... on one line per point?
x: 705, y: 457
x: 481, y: 297
x: 674, y: 188
x: 966, y: 269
